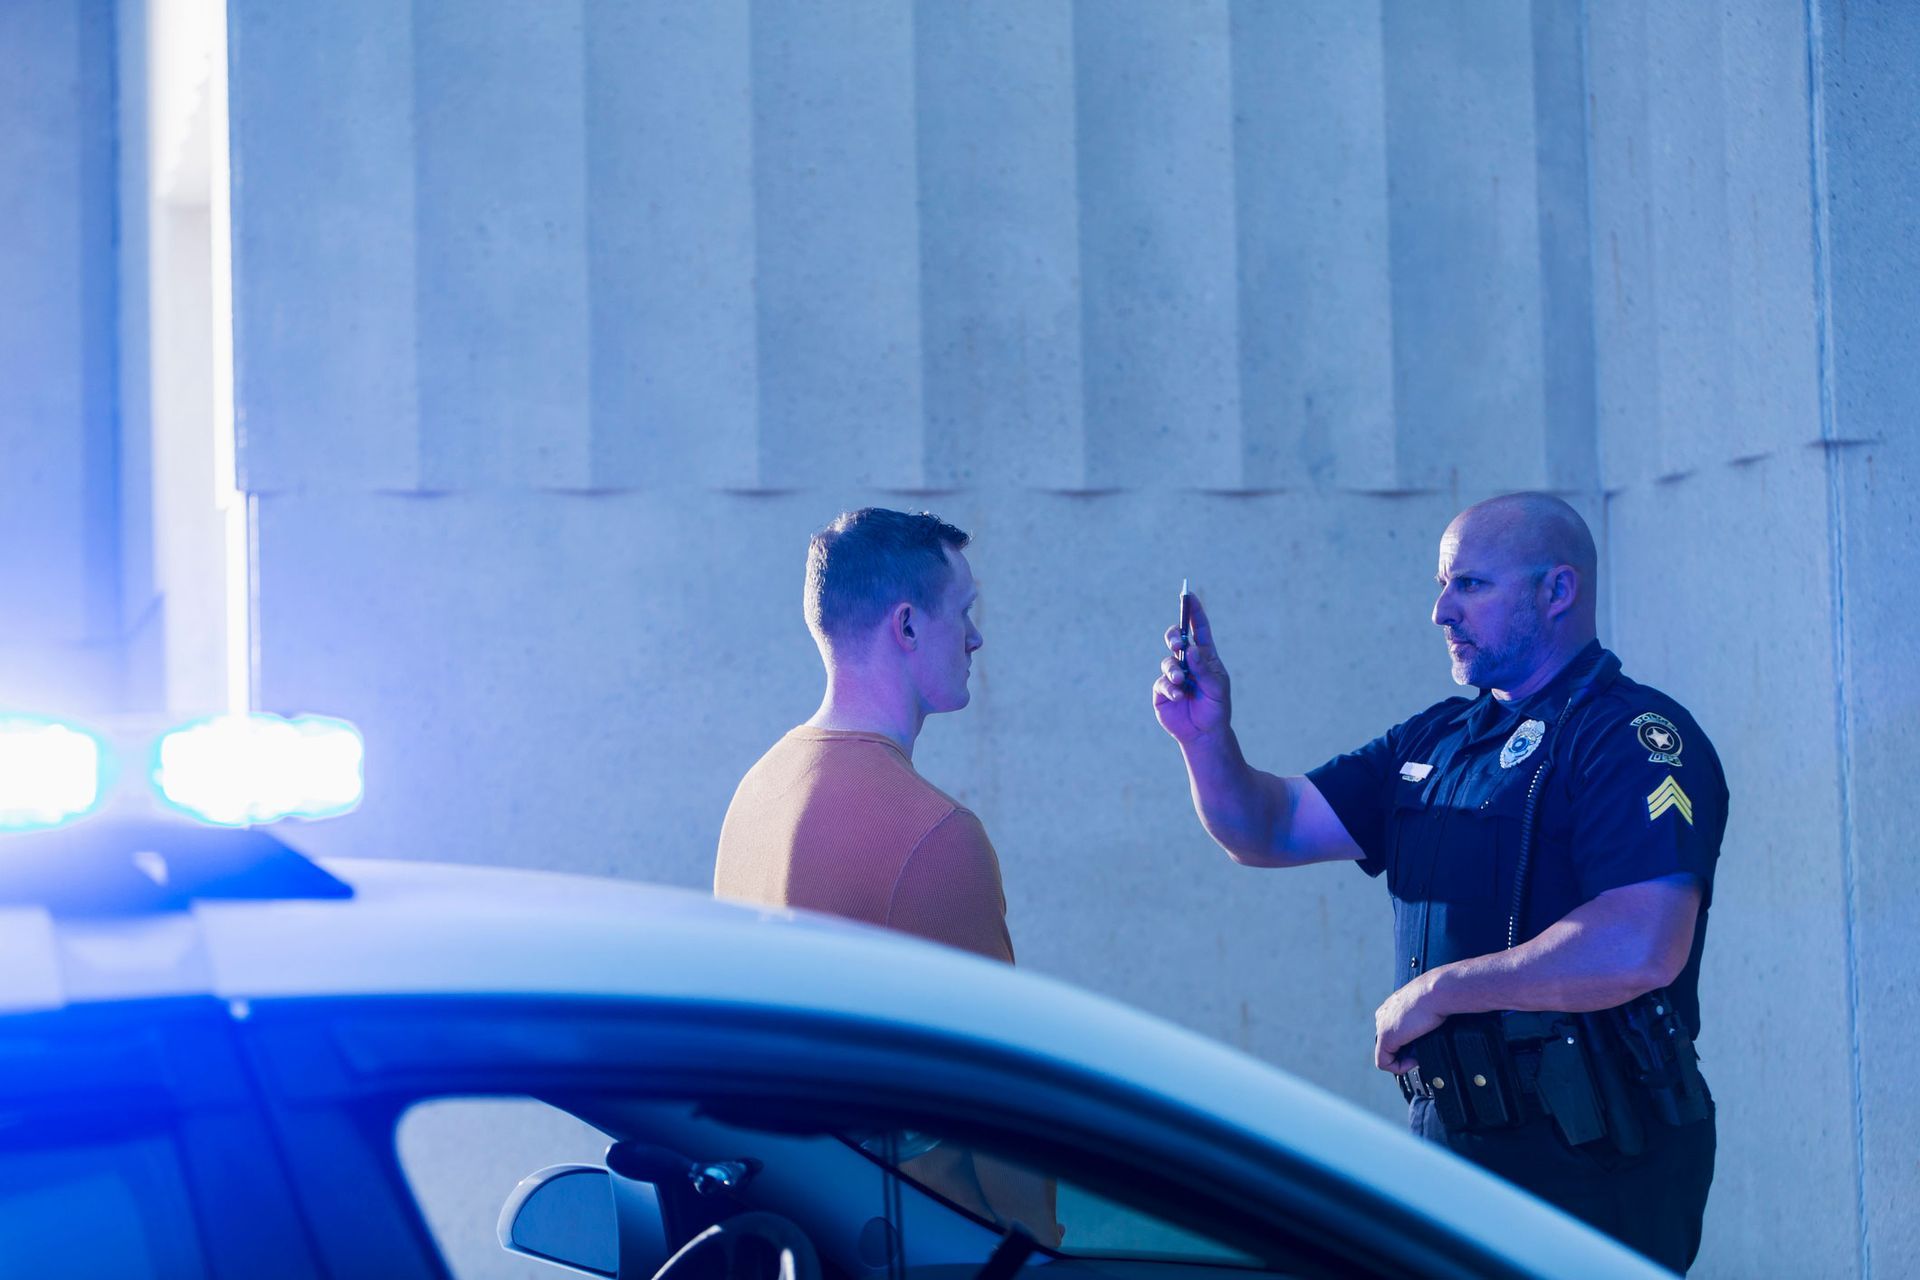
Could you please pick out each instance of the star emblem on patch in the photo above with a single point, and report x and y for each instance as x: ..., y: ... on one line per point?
x: 1659, y: 737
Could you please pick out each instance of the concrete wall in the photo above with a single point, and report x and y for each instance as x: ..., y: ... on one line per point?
x: 59, y: 484
x: 1753, y: 243
x: 1866, y: 101
x: 560, y: 327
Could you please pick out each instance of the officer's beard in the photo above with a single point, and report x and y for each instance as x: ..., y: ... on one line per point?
x: 1512, y: 661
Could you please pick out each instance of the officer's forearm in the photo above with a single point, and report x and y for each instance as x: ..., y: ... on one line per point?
x: 1245, y: 810
x: 1603, y: 953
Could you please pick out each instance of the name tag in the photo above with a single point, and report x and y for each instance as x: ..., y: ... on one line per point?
x: 1413, y: 772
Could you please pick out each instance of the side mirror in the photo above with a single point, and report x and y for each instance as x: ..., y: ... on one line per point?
x: 564, y: 1214
x: 581, y: 1217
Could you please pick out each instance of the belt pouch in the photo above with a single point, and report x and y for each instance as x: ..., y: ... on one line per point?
x: 1441, y: 1076
x: 1484, y: 1079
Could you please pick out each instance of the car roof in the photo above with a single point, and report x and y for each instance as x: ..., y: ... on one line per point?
x: 425, y: 929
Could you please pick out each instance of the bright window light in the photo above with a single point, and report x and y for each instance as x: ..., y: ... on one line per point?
x: 51, y: 772
x: 236, y: 771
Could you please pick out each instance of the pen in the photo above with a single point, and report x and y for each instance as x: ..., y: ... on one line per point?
x: 1186, y: 631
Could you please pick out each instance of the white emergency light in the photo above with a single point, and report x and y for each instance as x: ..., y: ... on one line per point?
x: 239, y: 770
x: 51, y: 772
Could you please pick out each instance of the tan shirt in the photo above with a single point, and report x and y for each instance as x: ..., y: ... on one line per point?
x: 837, y: 821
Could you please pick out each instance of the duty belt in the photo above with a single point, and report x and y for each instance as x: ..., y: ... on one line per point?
x: 1585, y: 1070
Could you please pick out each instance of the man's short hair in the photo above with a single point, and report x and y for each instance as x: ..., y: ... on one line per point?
x: 869, y: 560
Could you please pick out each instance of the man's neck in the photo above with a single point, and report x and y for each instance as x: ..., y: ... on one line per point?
x: 1546, y: 670
x: 855, y: 707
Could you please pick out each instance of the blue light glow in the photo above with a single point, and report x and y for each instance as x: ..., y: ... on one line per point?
x: 236, y: 771
x: 51, y: 772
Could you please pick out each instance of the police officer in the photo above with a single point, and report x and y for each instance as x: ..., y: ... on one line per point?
x: 1549, y: 845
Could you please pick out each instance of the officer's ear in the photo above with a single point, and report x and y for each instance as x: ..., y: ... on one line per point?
x: 1562, y: 585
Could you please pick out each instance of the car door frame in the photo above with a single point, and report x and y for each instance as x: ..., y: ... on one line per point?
x: 337, y: 1069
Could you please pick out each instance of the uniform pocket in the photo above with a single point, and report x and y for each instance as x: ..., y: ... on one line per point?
x: 1404, y: 827
x: 1504, y: 811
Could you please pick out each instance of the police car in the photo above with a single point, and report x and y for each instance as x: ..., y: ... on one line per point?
x: 219, y: 1057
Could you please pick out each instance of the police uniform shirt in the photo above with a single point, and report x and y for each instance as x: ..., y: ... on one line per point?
x: 1623, y: 785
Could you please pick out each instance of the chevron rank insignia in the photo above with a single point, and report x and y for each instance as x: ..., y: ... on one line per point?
x: 1668, y: 795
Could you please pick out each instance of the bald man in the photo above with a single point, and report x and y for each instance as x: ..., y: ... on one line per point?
x: 1549, y: 847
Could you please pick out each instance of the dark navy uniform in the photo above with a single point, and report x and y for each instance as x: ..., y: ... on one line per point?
x: 1623, y: 788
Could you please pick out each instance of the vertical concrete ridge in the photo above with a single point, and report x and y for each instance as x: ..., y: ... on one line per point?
x: 1315, y: 359
x: 503, y: 251
x: 1464, y: 246
x: 837, y: 245
x: 999, y: 292
x: 1237, y: 470
x: 1077, y: 474
x: 756, y: 421
x: 422, y: 469
x: 1598, y: 483
x: 1834, y: 461
x: 670, y: 245
x: 1155, y: 157
x: 922, y: 470
x: 100, y: 296
x: 323, y: 188
x: 1568, y: 458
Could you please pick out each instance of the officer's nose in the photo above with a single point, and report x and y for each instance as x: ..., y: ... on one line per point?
x: 1444, y: 612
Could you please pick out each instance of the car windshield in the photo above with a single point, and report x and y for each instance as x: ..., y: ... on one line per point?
x: 1063, y: 1215
x: 113, y: 1207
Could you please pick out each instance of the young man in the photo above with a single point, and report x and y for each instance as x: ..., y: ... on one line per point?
x: 1549, y: 847
x: 835, y: 818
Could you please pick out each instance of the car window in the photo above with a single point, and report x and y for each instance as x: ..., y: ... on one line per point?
x: 107, y: 1208
x: 463, y: 1156
x: 1065, y: 1216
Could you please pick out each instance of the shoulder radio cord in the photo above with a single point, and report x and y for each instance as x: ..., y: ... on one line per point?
x: 1522, y: 864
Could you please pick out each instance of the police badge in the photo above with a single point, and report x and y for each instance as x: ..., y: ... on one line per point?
x: 1522, y: 743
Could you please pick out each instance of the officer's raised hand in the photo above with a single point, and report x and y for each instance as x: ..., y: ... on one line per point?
x: 1195, y: 701
x: 1261, y: 820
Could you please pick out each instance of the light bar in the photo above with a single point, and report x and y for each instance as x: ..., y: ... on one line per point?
x: 235, y: 771
x: 51, y: 773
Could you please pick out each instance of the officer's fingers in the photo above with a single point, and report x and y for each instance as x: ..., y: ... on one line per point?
x: 1170, y: 668
x: 1174, y: 640
x: 1202, y: 629
x: 1164, y: 693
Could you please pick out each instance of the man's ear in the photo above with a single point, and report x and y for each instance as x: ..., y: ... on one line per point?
x: 903, y: 627
x: 1563, y: 589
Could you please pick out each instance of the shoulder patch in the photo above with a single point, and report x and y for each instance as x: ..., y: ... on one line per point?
x: 1657, y: 734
